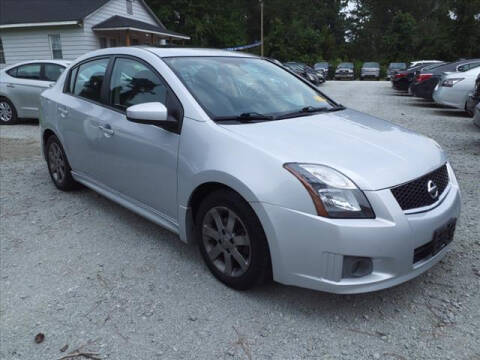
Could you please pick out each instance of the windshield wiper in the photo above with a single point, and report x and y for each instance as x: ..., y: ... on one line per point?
x: 310, y: 110
x: 244, y: 117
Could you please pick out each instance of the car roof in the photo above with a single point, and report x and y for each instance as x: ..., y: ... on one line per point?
x: 59, y: 62
x: 175, y: 51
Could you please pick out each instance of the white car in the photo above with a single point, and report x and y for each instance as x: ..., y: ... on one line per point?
x: 424, y: 62
x: 21, y: 85
x: 453, y: 88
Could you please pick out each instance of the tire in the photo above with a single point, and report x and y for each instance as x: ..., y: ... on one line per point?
x: 222, y: 217
x: 8, y: 113
x: 58, y: 166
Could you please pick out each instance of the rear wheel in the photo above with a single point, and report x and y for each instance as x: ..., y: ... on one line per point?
x: 232, y: 241
x: 58, y: 165
x: 8, y: 114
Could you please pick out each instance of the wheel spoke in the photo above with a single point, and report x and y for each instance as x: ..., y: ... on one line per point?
x: 228, y: 263
x: 215, y: 252
x: 230, y: 222
x: 217, y: 219
x: 240, y: 240
x: 211, y: 233
x: 239, y: 259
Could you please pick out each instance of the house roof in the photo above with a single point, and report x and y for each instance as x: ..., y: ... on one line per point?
x: 122, y: 23
x: 46, y: 11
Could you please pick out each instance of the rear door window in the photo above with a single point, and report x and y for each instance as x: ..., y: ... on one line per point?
x: 52, y: 71
x: 89, y: 79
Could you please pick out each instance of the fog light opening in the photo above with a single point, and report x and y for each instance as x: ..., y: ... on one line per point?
x: 355, y: 266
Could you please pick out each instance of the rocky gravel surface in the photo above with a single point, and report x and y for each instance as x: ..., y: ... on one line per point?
x: 93, y: 277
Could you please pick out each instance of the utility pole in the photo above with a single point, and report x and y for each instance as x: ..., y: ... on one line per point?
x: 261, y: 27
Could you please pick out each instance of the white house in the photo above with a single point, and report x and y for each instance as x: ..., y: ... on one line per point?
x: 66, y: 29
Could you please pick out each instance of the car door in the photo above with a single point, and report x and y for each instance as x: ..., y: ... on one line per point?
x: 139, y: 160
x: 79, y: 109
x: 25, y: 89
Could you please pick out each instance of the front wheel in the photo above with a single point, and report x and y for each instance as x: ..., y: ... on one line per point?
x: 232, y: 241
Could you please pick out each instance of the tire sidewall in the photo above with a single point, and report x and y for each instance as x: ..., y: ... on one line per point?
x: 259, y: 259
x: 68, y: 183
x: 14, y: 118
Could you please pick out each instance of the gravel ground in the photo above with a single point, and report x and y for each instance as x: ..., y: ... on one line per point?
x: 84, y: 271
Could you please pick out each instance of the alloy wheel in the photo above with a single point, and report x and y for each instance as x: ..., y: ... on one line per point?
x: 226, y: 241
x: 6, y: 112
x: 56, y: 162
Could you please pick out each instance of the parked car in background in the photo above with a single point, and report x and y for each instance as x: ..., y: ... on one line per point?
x: 427, y: 78
x: 323, y: 66
x: 304, y: 71
x: 206, y: 144
x: 473, y: 98
x: 476, y: 115
x: 423, y: 62
x: 21, y: 85
x: 370, y: 70
x: 402, y: 79
x: 453, y: 89
x: 395, y: 67
x: 345, y: 70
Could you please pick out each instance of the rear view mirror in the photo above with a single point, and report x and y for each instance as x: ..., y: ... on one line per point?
x: 153, y: 113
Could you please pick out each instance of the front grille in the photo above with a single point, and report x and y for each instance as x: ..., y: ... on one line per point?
x: 414, y: 194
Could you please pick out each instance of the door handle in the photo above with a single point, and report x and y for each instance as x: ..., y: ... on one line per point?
x: 10, y: 85
x: 63, y: 112
x: 107, y: 130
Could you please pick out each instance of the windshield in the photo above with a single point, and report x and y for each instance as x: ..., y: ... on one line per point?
x: 322, y: 65
x: 399, y: 66
x: 235, y: 86
x: 346, y: 65
x: 371, y: 65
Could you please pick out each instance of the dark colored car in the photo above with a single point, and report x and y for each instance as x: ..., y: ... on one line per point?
x: 426, y: 79
x: 394, y: 68
x: 304, y: 71
x: 345, y: 70
x: 325, y: 67
x: 473, y: 98
x: 401, y: 80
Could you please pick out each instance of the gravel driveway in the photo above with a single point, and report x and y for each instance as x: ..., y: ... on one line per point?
x: 86, y: 272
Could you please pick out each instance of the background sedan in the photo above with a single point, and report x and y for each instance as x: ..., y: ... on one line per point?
x: 21, y: 85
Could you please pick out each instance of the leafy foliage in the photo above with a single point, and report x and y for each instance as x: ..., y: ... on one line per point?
x: 334, y: 30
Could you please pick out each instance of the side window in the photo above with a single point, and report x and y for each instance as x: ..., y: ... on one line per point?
x: 29, y: 71
x: 133, y: 83
x: 13, y: 72
x: 89, y: 79
x: 52, y: 71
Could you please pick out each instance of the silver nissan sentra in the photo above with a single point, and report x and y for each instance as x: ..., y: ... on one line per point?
x: 267, y: 174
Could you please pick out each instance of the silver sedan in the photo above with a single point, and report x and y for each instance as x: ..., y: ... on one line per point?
x: 269, y: 176
x: 21, y: 85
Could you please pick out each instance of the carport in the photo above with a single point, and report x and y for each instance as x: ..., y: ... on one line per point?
x: 122, y: 31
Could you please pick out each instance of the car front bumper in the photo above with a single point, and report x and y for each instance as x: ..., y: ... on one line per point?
x: 308, y: 250
x: 372, y: 74
x: 449, y: 96
x: 344, y: 75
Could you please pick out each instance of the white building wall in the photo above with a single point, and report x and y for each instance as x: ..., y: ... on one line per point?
x: 25, y: 44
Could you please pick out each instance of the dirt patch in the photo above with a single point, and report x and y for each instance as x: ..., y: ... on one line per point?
x: 19, y: 149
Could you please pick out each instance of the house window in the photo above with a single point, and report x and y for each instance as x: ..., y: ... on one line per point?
x: 56, y: 46
x: 113, y: 42
x: 2, y: 54
x: 103, y: 43
x: 129, y: 7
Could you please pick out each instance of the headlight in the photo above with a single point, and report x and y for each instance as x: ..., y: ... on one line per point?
x: 334, y: 195
x: 451, y: 82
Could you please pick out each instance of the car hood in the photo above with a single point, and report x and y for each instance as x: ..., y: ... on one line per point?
x: 374, y: 153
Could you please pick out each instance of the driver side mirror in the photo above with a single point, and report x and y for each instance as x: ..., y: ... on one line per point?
x: 152, y: 113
